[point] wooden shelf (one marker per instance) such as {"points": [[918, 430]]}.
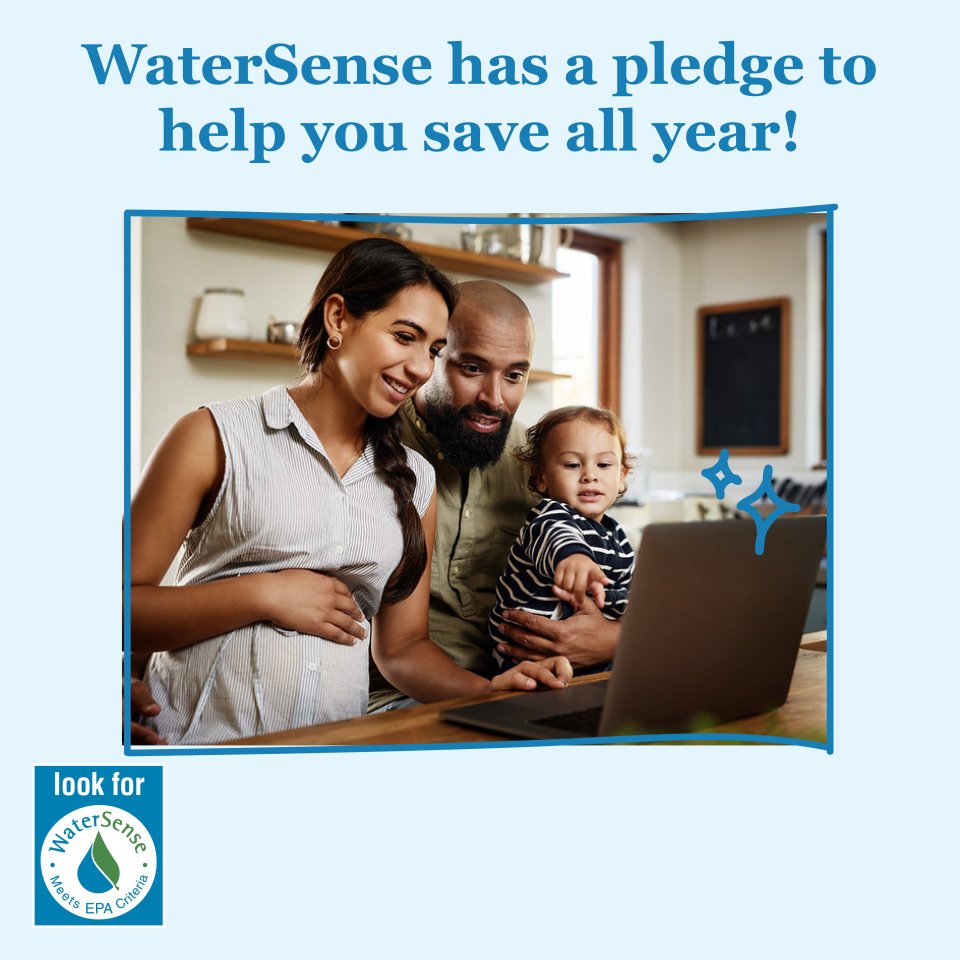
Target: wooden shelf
{"points": [[223, 348], [544, 376], [327, 236], [260, 351]]}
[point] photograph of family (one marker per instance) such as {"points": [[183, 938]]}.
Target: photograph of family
{"points": [[391, 475]]}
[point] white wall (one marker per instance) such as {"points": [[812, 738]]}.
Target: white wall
{"points": [[670, 270], [735, 260]]}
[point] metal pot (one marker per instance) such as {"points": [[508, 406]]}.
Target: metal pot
{"points": [[282, 331]]}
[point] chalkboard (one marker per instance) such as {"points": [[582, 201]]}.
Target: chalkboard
{"points": [[743, 377]]}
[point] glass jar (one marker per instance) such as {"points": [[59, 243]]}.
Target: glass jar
{"points": [[221, 314]]}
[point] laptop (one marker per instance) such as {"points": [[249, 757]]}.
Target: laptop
{"points": [[710, 635]]}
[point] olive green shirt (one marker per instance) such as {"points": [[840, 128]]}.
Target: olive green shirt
{"points": [[478, 518]]}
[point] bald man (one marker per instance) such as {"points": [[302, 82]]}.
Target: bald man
{"points": [[461, 420]]}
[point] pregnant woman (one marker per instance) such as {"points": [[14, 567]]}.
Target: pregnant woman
{"points": [[307, 526]]}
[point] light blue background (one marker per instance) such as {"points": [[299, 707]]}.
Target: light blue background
{"points": [[735, 851]]}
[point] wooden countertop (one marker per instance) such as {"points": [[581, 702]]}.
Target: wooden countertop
{"points": [[802, 717]]}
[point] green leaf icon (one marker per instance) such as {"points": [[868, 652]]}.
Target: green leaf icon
{"points": [[103, 858]]}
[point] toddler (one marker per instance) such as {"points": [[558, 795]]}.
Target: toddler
{"points": [[569, 549]]}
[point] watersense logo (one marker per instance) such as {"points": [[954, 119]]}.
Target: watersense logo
{"points": [[99, 861], [98, 871]]}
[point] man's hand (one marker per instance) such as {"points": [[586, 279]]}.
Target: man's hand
{"points": [[585, 639], [554, 673], [578, 576], [143, 705]]}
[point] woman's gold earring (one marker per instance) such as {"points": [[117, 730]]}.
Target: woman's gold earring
{"points": [[335, 342]]}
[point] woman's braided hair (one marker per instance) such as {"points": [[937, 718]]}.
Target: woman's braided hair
{"points": [[368, 274]]}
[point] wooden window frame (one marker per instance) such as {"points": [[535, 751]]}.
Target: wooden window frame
{"points": [[607, 250]]}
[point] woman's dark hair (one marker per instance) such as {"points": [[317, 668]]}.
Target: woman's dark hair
{"points": [[532, 452], [368, 274]]}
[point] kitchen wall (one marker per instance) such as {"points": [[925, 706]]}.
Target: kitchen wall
{"points": [[669, 270], [177, 265]]}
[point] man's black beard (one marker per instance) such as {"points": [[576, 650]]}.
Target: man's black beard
{"points": [[462, 447]]}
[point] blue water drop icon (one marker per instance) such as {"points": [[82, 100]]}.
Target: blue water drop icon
{"points": [[90, 875]]}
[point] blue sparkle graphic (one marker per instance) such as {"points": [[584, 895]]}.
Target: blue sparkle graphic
{"points": [[720, 474], [780, 507]]}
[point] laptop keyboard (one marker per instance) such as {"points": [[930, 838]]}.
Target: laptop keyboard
{"points": [[585, 722]]}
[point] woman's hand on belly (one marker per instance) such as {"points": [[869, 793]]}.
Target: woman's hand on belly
{"points": [[313, 603]]}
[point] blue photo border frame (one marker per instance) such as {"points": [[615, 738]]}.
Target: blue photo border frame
{"points": [[140, 751]]}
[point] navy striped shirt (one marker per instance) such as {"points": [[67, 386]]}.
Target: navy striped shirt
{"points": [[553, 531]]}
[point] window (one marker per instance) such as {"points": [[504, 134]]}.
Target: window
{"points": [[586, 321]]}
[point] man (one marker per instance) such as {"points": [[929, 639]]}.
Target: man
{"points": [[461, 420]]}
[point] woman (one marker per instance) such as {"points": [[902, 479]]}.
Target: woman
{"points": [[303, 516]]}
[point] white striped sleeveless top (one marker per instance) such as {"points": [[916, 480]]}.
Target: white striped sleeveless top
{"points": [[281, 506]]}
